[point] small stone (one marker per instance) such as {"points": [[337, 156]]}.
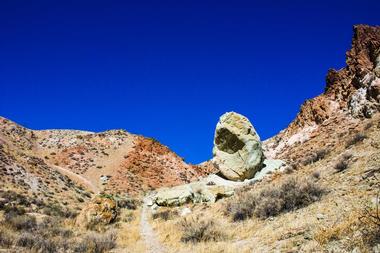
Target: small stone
{"points": [[376, 248], [320, 216], [185, 211]]}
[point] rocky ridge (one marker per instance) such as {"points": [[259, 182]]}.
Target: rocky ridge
{"points": [[352, 92]]}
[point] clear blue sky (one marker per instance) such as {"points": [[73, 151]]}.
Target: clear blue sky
{"points": [[169, 69]]}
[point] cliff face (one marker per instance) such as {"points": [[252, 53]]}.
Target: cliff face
{"points": [[353, 91]]}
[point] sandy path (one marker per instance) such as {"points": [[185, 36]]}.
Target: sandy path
{"points": [[78, 178], [151, 241]]}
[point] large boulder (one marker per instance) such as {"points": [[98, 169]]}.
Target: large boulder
{"points": [[102, 210], [237, 148]]}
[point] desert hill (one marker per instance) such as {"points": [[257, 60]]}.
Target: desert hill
{"points": [[321, 196], [114, 161]]}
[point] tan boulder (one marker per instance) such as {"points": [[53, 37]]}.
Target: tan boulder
{"points": [[237, 148], [102, 210]]}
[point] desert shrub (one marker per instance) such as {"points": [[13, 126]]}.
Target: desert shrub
{"points": [[317, 156], [37, 243], [359, 137], [316, 174], [343, 163], [59, 211], [200, 230], [26, 240], [127, 216], [341, 166], [165, 215], [18, 202], [6, 238], [97, 243], [271, 201], [290, 168], [370, 220], [45, 245], [242, 207], [368, 126], [128, 203], [53, 227], [14, 210], [21, 222]]}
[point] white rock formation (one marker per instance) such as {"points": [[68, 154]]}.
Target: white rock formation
{"points": [[237, 147]]}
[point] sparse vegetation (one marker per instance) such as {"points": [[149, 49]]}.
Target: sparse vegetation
{"points": [[341, 166], [200, 230], [359, 137], [315, 157], [370, 220], [316, 174], [97, 243], [271, 201], [21, 222], [343, 163], [290, 168], [6, 238], [165, 215], [128, 203]]}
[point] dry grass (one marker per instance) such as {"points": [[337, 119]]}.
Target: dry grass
{"points": [[6, 238], [97, 242], [336, 231], [165, 215], [370, 219], [129, 234], [201, 230]]}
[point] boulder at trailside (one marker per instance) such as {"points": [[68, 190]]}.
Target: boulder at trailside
{"points": [[237, 147]]}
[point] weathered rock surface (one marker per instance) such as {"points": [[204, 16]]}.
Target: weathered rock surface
{"points": [[101, 211], [196, 192], [237, 148], [208, 189], [352, 91]]}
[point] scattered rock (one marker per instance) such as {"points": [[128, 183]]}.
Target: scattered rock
{"points": [[270, 165], [237, 147], [320, 216], [185, 211]]}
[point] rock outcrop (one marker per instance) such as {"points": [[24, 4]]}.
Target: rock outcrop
{"points": [[353, 91], [210, 188], [196, 192], [237, 148], [102, 210]]}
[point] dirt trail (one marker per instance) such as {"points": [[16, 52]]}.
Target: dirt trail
{"points": [[151, 241], [78, 178]]}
